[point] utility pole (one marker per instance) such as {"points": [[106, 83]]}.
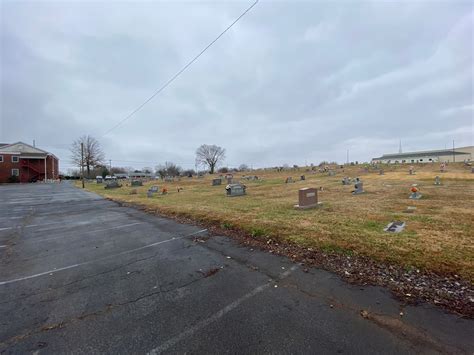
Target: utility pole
{"points": [[110, 166], [82, 164], [347, 157], [454, 155]]}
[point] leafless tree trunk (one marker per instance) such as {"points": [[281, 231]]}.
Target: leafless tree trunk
{"points": [[93, 154], [210, 155]]}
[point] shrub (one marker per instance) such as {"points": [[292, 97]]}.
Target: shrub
{"points": [[13, 179]]}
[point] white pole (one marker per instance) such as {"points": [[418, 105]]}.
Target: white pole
{"points": [[45, 172]]}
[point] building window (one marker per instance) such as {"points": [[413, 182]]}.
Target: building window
{"points": [[1, 158], [15, 172], [15, 159]]}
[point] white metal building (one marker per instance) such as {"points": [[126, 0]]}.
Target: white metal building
{"points": [[463, 154]]}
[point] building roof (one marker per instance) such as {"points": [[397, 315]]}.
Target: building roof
{"points": [[21, 148], [423, 153]]}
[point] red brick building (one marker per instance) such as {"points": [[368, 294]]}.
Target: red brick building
{"points": [[21, 162]]}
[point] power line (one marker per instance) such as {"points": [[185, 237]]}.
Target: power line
{"points": [[180, 71]]}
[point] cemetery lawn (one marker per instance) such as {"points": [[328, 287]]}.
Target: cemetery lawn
{"points": [[439, 235]]}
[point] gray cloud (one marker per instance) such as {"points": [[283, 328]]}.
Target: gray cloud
{"points": [[291, 82]]}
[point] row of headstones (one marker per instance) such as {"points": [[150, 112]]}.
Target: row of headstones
{"points": [[240, 189], [442, 168]]}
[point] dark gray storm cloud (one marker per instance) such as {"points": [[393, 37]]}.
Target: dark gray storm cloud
{"points": [[291, 82]]}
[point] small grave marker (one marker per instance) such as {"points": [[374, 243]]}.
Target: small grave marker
{"points": [[136, 183], [288, 180], [331, 173], [442, 167], [307, 198], [381, 172], [216, 182], [113, 184], [346, 180], [358, 187], [415, 194], [437, 180], [235, 190], [395, 227], [411, 171], [302, 178], [410, 209], [152, 190]]}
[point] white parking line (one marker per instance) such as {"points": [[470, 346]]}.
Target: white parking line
{"points": [[216, 316], [86, 232], [30, 225], [95, 260]]}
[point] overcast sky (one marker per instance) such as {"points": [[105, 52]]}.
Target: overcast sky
{"points": [[290, 82]]}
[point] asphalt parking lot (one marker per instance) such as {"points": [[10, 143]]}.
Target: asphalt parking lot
{"points": [[80, 274]]}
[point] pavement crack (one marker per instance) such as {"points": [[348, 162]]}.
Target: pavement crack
{"points": [[392, 324], [81, 279], [242, 261], [108, 308]]}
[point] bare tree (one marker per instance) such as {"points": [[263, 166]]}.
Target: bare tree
{"points": [[168, 169], [93, 154], [243, 167], [210, 155]]}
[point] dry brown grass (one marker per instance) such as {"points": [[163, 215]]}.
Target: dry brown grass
{"points": [[438, 236]]}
